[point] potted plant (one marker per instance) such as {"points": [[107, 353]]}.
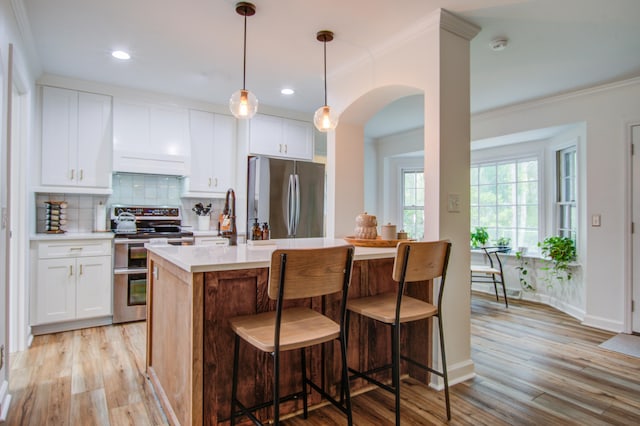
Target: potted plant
{"points": [[503, 242], [479, 237], [560, 251]]}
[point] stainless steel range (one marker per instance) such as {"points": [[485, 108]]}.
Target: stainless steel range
{"points": [[133, 227]]}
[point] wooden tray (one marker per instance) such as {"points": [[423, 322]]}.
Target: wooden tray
{"points": [[378, 242]]}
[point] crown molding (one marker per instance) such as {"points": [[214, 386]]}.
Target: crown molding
{"points": [[525, 105], [24, 27], [458, 26]]}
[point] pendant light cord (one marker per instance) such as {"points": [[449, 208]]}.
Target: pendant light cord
{"points": [[325, 72], [244, 63]]}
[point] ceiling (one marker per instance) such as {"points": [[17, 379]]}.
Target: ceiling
{"points": [[193, 49]]}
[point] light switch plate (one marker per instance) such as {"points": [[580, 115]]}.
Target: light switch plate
{"points": [[595, 220], [453, 206]]}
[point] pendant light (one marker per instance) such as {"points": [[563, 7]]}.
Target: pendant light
{"points": [[243, 104], [325, 119]]}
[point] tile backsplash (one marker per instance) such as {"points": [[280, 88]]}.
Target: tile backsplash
{"points": [[128, 189], [147, 190]]}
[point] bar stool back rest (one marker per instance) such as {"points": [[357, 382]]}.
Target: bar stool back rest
{"points": [[425, 263], [307, 274]]}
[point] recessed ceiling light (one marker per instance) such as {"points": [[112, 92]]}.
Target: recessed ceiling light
{"points": [[120, 54], [287, 91]]}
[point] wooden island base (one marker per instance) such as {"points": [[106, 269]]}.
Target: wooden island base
{"points": [[190, 344]]}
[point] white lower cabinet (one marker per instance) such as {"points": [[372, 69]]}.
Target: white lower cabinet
{"points": [[73, 281]]}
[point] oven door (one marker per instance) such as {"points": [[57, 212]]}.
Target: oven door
{"points": [[129, 295]]}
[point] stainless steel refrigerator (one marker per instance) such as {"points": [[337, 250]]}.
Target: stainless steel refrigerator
{"points": [[288, 194]]}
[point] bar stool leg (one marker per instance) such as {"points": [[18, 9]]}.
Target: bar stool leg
{"points": [[345, 381], [303, 362], [445, 375], [276, 387], [234, 382], [504, 291], [396, 366]]}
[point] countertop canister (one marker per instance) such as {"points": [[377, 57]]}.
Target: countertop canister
{"points": [[388, 232]]}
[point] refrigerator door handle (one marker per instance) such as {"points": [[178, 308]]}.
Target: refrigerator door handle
{"points": [[297, 213], [290, 206]]}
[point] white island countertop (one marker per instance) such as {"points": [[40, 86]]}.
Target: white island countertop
{"points": [[216, 258]]}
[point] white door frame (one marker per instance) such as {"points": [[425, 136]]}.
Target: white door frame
{"points": [[632, 319]]}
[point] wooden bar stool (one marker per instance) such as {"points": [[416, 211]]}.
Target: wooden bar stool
{"points": [[297, 274], [414, 262]]}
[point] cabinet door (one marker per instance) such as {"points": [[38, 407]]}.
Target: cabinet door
{"points": [[93, 287], [201, 126], [223, 154], [94, 140], [265, 135], [298, 139], [55, 290], [212, 152], [59, 136]]}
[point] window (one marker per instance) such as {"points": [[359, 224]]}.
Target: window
{"points": [[566, 193], [504, 199], [413, 203]]}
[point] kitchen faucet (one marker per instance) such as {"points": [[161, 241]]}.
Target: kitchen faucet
{"points": [[227, 222]]}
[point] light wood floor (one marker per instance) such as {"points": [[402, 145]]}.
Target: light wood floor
{"points": [[534, 366]]}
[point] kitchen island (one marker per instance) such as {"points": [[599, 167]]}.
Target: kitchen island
{"points": [[193, 291]]}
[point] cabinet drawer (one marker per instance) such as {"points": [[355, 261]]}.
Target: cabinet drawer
{"points": [[76, 248]]}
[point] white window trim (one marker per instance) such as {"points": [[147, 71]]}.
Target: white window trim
{"points": [[553, 195]]}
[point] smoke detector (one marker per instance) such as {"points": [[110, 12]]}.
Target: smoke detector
{"points": [[499, 43]]}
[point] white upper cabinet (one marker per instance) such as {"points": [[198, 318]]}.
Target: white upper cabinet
{"points": [[76, 140], [280, 137], [149, 138], [212, 154]]}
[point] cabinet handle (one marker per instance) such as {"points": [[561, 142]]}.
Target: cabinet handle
{"points": [[279, 147], [285, 148], [209, 182], [81, 269], [72, 175], [70, 270], [216, 182], [81, 174]]}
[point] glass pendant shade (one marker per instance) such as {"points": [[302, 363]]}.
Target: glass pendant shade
{"points": [[325, 119], [243, 104]]}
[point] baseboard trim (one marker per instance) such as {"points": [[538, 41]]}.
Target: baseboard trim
{"points": [[603, 324], [70, 325], [458, 373]]}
